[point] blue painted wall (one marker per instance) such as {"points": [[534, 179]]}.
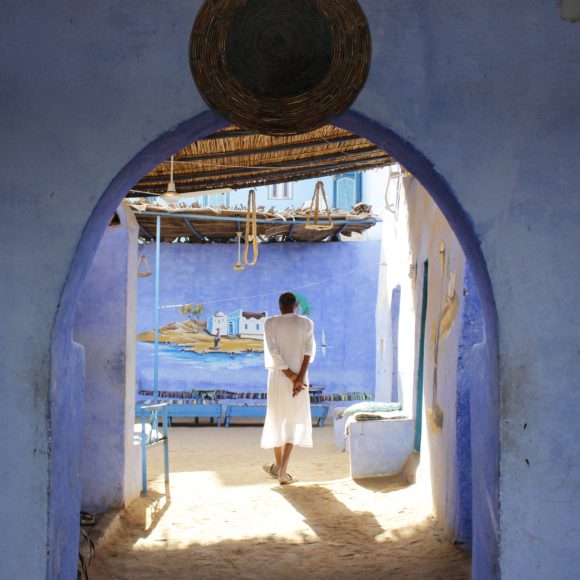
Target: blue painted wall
{"points": [[64, 512], [469, 367], [338, 279], [478, 85], [105, 326]]}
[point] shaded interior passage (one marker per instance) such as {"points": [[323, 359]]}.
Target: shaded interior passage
{"points": [[225, 518]]}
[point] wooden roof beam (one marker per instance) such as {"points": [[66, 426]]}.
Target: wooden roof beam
{"points": [[194, 231], [145, 232]]}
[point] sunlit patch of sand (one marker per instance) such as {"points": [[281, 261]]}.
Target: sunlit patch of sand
{"points": [[226, 518]]}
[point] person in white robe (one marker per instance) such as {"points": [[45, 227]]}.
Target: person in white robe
{"points": [[289, 348]]}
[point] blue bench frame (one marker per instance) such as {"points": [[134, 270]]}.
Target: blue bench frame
{"points": [[253, 411], [196, 410], [214, 411], [211, 410], [150, 416], [319, 412]]}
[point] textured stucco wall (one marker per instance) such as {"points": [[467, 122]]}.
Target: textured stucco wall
{"points": [[66, 447], [339, 280], [105, 326], [471, 367], [487, 91]]}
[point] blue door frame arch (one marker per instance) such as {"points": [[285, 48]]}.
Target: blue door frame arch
{"points": [[485, 432]]}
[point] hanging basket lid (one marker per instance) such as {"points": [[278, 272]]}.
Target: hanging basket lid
{"points": [[280, 66]]}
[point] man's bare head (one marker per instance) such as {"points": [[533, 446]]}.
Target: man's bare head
{"points": [[287, 302]]}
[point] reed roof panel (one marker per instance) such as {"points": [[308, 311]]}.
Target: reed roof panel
{"points": [[235, 158]]}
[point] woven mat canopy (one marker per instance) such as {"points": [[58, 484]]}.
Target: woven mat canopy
{"points": [[280, 66], [235, 158]]}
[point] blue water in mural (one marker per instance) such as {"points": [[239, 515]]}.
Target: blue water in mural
{"points": [[177, 358]]}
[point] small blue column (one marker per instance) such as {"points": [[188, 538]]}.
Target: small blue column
{"points": [[156, 353]]}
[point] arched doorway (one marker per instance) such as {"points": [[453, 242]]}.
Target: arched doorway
{"points": [[485, 430]]}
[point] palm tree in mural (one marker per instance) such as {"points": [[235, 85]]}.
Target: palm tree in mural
{"points": [[188, 310], [197, 311], [303, 304]]}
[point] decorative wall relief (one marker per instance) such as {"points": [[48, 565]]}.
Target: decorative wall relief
{"points": [[447, 311]]}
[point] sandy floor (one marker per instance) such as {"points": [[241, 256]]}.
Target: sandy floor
{"points": [[226, 519]]}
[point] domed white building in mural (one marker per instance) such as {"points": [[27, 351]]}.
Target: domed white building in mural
{"points": [[238, 323]]}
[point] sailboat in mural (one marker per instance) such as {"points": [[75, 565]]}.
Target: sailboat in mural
{"points": [[323, 342]]}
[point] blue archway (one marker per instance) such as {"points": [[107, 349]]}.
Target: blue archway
{"points": [[485, 399]]}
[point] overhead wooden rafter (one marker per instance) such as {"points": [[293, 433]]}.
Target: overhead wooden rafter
{"points": [[221, 225], [236, 159]]}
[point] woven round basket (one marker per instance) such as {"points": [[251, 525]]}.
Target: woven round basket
{"points": [[280, 67]]}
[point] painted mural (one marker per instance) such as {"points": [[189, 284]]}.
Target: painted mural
{"points": [[221, 341], [212, 316]]}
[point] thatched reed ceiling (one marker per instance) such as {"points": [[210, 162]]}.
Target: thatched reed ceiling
{"points": [[234, 158]]}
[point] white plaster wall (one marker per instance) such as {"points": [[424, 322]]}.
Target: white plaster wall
{"points": [[413, 232], [396, 257], [132, 463], [487, 90], [384, 338], [438, 443], [374, 183]]}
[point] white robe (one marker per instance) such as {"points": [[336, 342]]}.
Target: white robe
{"points": [[287, 339]]}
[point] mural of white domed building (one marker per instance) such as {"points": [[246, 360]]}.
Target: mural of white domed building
{"points": [[238, 323]]}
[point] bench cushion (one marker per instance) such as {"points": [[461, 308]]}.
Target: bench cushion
{"points": [[371, 407]]}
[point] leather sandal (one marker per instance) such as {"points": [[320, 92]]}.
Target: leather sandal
{"points": [[270, 469]]}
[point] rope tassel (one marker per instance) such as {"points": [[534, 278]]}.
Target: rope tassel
{"points": [[251, 218], [314, 211]]}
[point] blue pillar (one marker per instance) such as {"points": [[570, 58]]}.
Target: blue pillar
{"points": [[156, 354]]}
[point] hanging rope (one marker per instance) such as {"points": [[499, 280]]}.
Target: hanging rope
{"points": [[143, 269], [314, 211], [251, 218]]}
